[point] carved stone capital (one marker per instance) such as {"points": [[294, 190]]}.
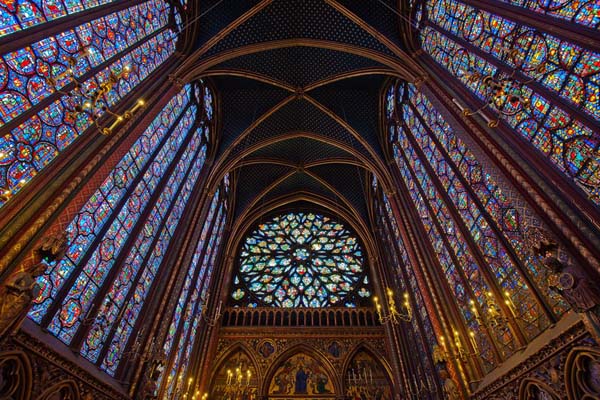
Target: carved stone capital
{"points": [[177, 81], [53, 247]]}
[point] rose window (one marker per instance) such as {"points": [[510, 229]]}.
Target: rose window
{"points": [[301, 260]]}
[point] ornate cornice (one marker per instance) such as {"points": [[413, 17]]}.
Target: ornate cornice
{"points": [[36, 347]]}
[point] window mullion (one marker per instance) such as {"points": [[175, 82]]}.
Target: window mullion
{"points": [[99, 237], [132, 235], [514, 72], [457, 264], [35, 109], [146, 258], [490, 221], [24, 37], [178, 341]]}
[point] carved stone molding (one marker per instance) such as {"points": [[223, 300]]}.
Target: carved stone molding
{"points": [[336, 354], [63, 390], [582, 373], [534, 389], [52, 376], [543, 371], [15, 375]]}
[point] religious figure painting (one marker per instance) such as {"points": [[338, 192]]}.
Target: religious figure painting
{"points": [[266, 348], [301, 375]]}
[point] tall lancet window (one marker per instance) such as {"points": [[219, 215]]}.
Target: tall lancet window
{"points": [[187, 318], [545, 87], [474, 229], [44, 84], [91, 299], [422, 334]]}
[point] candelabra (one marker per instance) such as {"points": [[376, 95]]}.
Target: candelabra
{"points": [[394, 315], [181, 391], [195, 396], [90, 97], [360, 382], [235, 386], [494, 317], [503, 91], [458, 351], [422, 386], [136, 349]]}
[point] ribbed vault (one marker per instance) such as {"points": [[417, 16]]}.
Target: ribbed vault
{"points": [[298, 88]]}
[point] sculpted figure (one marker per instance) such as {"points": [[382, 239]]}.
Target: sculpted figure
{"points": [[438, 355], [573, 284], [20, 289], [154, 371], [16, 297], [53, 247], [450, 388]]}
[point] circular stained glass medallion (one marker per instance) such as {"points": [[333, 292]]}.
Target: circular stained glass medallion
{"points": [[301, 260]]}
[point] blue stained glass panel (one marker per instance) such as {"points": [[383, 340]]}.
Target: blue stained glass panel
{"points": [[87, 224]]}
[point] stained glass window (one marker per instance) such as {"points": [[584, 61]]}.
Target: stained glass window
{"points": [[559, 78], [569, 70], [185, 324], [474, 229], [193, 272], [584, 12], [18, 15], [120, 237], [39, 119], [301, 260], [85, 229], [423, 335], [102, 259]]}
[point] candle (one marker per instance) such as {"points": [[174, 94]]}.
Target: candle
{"points": [[473, 341], [371, 374], [457, 340], [474, 309], [510, 304]]}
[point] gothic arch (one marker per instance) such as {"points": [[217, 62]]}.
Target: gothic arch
{"points": [[531, 388], [581, 373], [190, 72], [296, 350], [247, 219], [16, 378], [375, 355], [375, 165], [238, 347]]}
